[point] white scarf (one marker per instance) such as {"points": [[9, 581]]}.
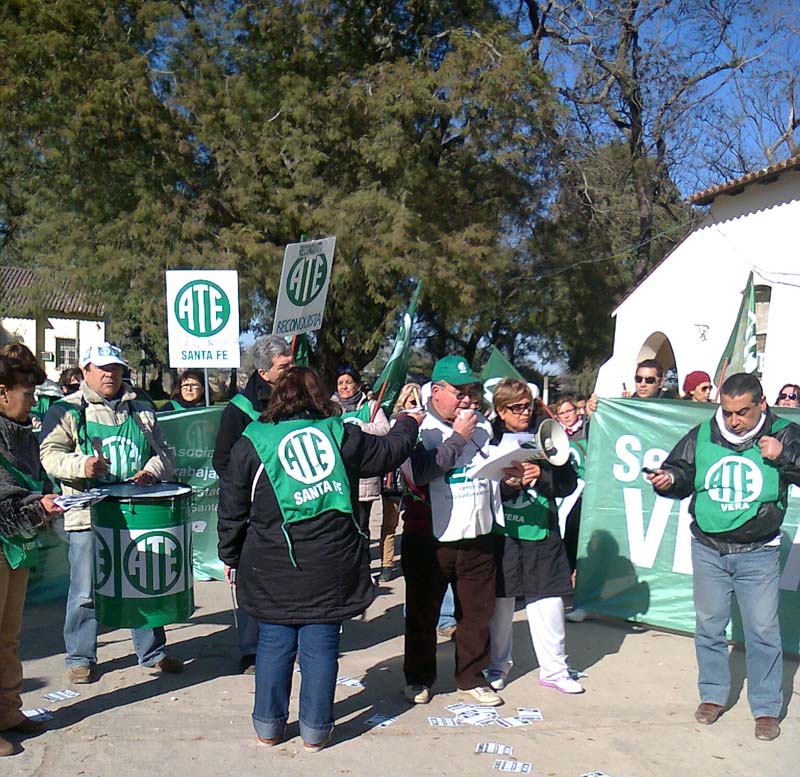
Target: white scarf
{"points": [[732, 437]]}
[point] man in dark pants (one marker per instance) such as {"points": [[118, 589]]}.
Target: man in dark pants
{"points": [[737, 466], [273, 356], [458, 548]]}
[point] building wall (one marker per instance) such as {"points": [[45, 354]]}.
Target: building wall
{"points": [[693, 297], [84, 333]]}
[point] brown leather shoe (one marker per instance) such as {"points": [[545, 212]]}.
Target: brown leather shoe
{"points": [[270, 742], [6, 748], [708, 713], [767, 728], [169, 665]]}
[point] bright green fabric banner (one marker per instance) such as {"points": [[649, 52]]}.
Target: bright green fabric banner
{"points": [[634, 558], [192, 434]]}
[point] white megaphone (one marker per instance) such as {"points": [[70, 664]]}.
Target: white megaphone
{"points": [[549, 443]]}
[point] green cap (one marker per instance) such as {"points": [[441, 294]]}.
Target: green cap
{"points": [[454, 370]]}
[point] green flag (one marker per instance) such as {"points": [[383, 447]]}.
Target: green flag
{"points": [[394, 373], [740, 352], [496, 368], [302, 350]]}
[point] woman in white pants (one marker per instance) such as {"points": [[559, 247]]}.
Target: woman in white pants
{"points": [[531, 560]]}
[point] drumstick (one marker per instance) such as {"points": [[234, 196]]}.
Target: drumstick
{"points": [[97, 447], [233, 598]]}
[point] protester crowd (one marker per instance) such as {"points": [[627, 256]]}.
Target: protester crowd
{"points": [[302, 465]]}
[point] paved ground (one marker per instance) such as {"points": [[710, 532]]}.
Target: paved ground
{"points": [[635, 719]]}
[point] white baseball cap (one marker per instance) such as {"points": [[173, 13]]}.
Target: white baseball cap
{"points": [[102, 354]]}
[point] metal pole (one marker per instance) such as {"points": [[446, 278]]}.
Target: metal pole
{"points": [[205, 377]]}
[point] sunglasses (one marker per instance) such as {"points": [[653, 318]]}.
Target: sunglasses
{"points": [[649, 380], [519, 408], [791, 396]]}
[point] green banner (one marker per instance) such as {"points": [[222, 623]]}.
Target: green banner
{"points": [[192, 434], [634, 557]]}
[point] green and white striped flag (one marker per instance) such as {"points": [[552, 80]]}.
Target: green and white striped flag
{"points": [[740, 354], [394, 373]]}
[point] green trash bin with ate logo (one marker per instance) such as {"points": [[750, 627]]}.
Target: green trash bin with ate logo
{"points": [[143, 555]]}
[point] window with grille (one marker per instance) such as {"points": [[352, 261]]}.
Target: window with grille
{"points": [[66, 352]]}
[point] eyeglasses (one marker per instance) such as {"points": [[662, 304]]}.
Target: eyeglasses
{"points": [[649, 380], [791, 396], [73, 386], [519, 408], [192, 386], [459, 395], [567, 411]]}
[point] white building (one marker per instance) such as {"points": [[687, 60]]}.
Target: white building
{"points": [[56, 326], [684, 311]]}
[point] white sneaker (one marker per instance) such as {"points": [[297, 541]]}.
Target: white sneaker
{"points": [[484, 695], [563, 684], [418, 694], [496, 679]]}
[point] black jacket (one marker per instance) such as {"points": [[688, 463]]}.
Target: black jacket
{"points": [[234, 421], [332, 580], [766, 524]]}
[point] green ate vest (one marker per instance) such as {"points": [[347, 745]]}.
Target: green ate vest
{"points": [[730, 486], [362, 414], [125, 447], [303, 462], [21, 552], [527, 516], [245, 405]]}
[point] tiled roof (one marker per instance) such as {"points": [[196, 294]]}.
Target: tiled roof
{"points": [[15, 298], [737, 185]]}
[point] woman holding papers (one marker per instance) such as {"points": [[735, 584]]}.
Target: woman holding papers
{"points": [[23, 510], [288, 523], [531, 562]]}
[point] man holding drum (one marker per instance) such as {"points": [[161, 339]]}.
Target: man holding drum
{"points": [[100, 434]]}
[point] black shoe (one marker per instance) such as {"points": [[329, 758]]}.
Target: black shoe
{"points": [[247, 664], [386, 575]]}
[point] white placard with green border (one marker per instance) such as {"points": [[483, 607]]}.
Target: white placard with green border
{"points": [[203, 318], [305, 278]]}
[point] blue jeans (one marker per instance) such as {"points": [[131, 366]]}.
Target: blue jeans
{"points": [[447, 612], [80, 624], [247, 631], [318, 647], [753, 576]]}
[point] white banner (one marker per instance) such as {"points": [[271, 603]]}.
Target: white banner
{"points": [[203, 318], [305, 278]]}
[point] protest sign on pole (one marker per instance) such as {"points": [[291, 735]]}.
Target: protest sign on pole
{"points": [[634, 551], [203, 318], [303, 290]]}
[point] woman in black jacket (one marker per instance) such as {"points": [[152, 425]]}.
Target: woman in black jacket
{"points": [[287, 524], [23, 511], [190, 392]]}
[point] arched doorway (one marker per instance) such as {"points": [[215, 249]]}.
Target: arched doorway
{"points": [[658, 347]]}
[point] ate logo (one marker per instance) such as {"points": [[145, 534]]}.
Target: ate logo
{"points": [[202, 308], [102, 561], [122, 455], [307, 455], [306, 279], [152, 563], [524, 498], [734, 480], [456, 475]]}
